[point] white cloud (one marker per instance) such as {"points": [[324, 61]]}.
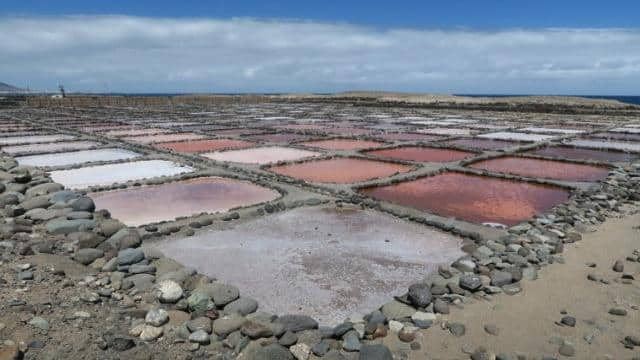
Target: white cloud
{"points": [[120, 53]]}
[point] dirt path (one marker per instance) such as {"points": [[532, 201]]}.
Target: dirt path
{"points": [[527, 322]]}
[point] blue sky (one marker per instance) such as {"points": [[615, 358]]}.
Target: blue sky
{"points": [[524, 47], [480, 14]]}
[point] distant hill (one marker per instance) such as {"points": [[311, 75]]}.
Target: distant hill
{"points": [[9, 89]]}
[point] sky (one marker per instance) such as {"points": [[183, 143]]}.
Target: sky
{"points": [[489, 47]]}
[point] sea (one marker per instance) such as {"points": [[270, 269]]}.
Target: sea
{"points": [[629, 99]]}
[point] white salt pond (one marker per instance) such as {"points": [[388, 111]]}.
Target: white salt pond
{"points": [[49, 147], [325, 262], [599, 144], [509, 135], [76, 157], [445, 131], [12, 140], [261, 155], [629, 129], [102, 175], [544, 130]]}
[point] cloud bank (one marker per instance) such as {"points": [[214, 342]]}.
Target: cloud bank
{"points": [[134, 54]]}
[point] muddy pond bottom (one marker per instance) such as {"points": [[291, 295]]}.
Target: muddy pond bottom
{"points": [[483, 144], [340, 170], [341, 144], [421, 154], [473, 198], [150, 204], [574, 153], [109, 174], [324, 262], [546, 169]]}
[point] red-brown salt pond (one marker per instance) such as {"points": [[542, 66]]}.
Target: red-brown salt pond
{"points": [[408, 137], [473, 198], [198, 146], [156, 203], [282, 138], [546, 169], [483, 144], [618, 136], [421, 154], [341, 144], [574, 153], [340, 170]]}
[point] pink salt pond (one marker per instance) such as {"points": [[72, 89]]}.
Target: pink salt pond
{"points": [[197, 146], [325, 262], [156, 203], [473, 198], [575, 153], [341, 144], [421, 154], [261, 155], [407, 137], [340, 170], [547, 169], [149, 139]]}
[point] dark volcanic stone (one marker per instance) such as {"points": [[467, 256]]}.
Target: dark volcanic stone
{"points": [[375, 352], [297, 323], [470, 282], [420, 295]]}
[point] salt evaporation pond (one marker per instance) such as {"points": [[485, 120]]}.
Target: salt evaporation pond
{"points": [[150, 139], [149, 204], [197, 146], [407, 137], [12, 140], [546, 169], [421, 154], [544, 130], [261, 155], [136, 132], [282, 138], [341, 144], [516, 136], [340, 170], [102, 175], [483, 144], [445, 131], [617, 136], [325, 262], [575, 153], [473, 198], [620, 145], [76, 157], [49, 147]]}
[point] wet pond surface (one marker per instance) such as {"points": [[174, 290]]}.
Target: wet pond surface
{"points": [[575, 153], [421, 154], [340, 170], [341, 144], [483, 144], [12, 140], [324, 262], [49, 147], [149, 139], [76, 157], [261, 155], [473, 198], [546, 169], [197, 146], [149, 204]]}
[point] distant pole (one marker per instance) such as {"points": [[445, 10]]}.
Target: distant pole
{"points": [[61, 87]]}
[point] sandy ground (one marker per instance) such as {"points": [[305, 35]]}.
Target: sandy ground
{"points": [[527, 322]]}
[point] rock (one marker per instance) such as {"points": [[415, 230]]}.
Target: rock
{"points": [[567, 350], [300, 351], [501, 278], [125, 238], [420, 295], [43, 189], [395, 310], [470, 282], [423, 320], [87, 256], [119, 343], [200, 323], [632, 340], [618, 311], [83, 204], [441, 307], [228, 324], [150, 333], [130, 256], [321, 348], [395, 326], [457, 329], [24, 275], [351, 341], [156, 317], [200, 302], [222, 294], [255, 351], [491, 329], [10, 352], [256, 330], [64, 226], [168, 291], [39, 323], [618, 266], [296, 323], [375, 352], [568, 321], [200, 337], [407, 334], [288, 338], [142, 282], [242, 305], [108, 227]]}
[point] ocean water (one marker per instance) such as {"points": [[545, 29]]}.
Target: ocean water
{"points": [[629, 99]]}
